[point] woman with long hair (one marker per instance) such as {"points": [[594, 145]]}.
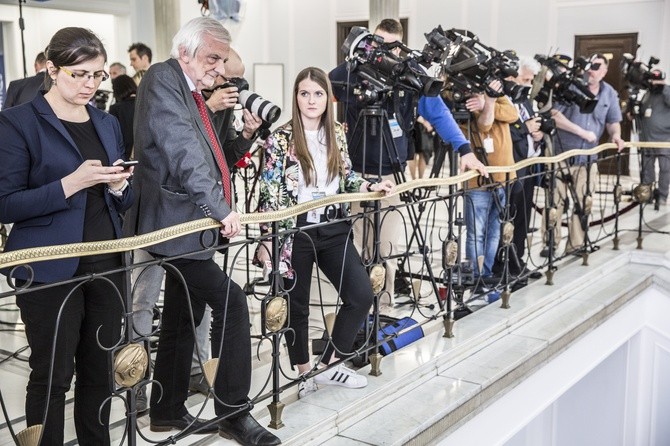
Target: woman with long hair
{"points": [[307, 159]]}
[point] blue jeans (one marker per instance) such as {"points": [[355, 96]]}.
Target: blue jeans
{"points": [[482, 221]]}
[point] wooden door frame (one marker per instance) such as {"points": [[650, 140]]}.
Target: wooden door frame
{"points": [[616, 45]]}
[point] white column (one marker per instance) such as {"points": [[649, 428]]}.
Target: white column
{"points": [[383, 9], [167, 16], [142, 27]]}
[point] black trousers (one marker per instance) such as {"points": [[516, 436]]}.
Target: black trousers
{"points": [[231, 341], [93, 311], [333, 248], [522, 201]]}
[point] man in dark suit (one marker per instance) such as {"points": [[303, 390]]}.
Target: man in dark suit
{"points": [[185, 176], [527, 141], [24, 90]]}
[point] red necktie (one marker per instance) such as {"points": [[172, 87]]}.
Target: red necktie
{"points": [[218, 154]]}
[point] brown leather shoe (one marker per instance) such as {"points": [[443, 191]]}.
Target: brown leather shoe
{"points": [[246, 431]]}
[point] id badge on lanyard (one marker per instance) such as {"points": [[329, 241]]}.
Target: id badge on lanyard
{"points": [[396, 131], [314, 216]]}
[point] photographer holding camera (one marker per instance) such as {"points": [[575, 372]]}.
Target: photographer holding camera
{"points": [[372, 163], [221, 100], [578, 130], [655, 126], [493, 114]]}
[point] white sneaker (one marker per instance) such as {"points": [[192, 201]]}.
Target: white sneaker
{"points": [[307, 387], [341, 376]]}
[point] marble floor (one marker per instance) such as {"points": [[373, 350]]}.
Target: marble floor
{"points": [[343, 406]]}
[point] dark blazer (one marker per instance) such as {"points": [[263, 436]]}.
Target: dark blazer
{"points": [[519, 133], [21, 91], [37, 152], [177, 178]]}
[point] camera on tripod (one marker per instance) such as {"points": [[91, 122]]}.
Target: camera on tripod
{"points": [[474, 65], [265, 109], [382, 71], [639, 77], [638, 74], [558, 81]]}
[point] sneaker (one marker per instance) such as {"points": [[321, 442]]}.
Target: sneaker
{"points": [[307, 387], [341, 376]]}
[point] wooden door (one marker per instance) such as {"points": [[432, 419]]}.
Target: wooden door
{"points": [[612, 46]]}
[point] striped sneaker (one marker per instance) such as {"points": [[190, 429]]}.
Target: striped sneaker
{"points": [[341, 376], [307, 387]]}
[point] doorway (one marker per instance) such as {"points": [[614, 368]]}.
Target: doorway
{"points": [[612, 46]]}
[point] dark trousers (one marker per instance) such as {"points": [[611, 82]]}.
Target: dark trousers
{"points": [[521, 205], [92, 312], [231, 341], [333, 248], [522, 202]]}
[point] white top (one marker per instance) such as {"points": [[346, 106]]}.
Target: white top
{"points": [[316, 144]]}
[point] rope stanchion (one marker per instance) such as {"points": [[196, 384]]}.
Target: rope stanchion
{"points": [[23, 256]]}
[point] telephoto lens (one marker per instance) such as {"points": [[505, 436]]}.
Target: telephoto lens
{"points": [[265, 109]]}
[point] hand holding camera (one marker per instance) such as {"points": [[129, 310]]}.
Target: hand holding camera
{"points": [[533, 124], [223, 97]]}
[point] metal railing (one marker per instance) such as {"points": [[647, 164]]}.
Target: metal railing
{"points": [[439, 215]]}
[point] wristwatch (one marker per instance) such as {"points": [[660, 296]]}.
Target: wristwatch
{"points": [[118, 193]]}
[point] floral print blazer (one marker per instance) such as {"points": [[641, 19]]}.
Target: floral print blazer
{"points": [[279, 183]]}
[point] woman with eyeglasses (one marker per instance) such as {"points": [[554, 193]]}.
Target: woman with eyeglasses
{"points": [[60, 185]]}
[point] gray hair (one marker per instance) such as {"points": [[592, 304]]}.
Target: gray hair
{"points": [[530, 64], [190, 36]]}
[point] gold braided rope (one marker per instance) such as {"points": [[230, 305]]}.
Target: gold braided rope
{"points": [[22, 256]]}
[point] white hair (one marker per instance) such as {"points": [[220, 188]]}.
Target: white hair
{"points": [[530, 64], [190, 36]]}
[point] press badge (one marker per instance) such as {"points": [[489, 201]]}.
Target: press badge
{"points": [[647, 113], [488, 144], [314, 216], [396, 131]]}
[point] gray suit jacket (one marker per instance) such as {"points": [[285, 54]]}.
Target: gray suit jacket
{"points": [[177, 179]]}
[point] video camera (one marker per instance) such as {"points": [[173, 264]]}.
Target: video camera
{"points": [[382, 71], [638, 74], [474, 65], [265, 109], [560, 82], [639, 77]]}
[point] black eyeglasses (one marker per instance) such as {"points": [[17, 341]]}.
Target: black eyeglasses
{"points": [[83, 76]]}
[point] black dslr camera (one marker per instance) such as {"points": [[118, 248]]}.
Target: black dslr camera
{"points": [[265, 109], [558, 81], [474, 65]]}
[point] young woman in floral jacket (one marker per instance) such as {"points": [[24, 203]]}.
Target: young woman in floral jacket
{"points": [[307, 159]]}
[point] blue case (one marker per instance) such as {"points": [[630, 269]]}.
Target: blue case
{"points": [[403, 339]]}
